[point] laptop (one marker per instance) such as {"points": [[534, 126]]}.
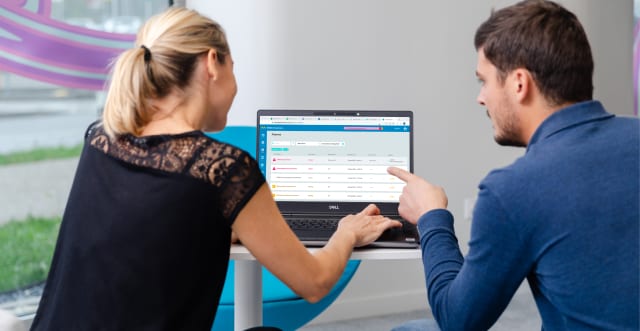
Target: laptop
{"points": [[322, 165]]}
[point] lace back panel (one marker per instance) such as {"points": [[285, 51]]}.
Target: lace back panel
{"points": [[232, 171]]}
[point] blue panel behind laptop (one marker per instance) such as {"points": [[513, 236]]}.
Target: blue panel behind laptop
{"points": [[243, 137]]}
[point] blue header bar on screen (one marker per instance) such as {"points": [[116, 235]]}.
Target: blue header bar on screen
{"points": [[335, 120], [349, 128]]}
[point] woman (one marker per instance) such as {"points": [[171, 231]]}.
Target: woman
{"points": [[145, 238]]}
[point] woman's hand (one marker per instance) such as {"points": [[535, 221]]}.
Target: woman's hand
{"points": [[310, 274], [367, 225]]}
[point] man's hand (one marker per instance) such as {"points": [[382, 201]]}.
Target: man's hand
{"points": [[418, 196]]}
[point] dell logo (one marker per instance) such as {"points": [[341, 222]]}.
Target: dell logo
{"points": [[334, 207]]}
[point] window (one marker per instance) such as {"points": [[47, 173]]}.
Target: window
{"points": [[53, 64]]}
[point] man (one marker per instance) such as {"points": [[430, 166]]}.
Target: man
{"points": [[565, 215]]}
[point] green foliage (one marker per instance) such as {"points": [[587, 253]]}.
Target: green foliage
{"points": [[39, 154], [27, 248]]}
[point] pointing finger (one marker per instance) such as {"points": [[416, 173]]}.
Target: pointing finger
{"points": [[400, 173]]}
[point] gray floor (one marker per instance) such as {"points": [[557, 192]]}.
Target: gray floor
{"points": [[520, 315], [373, 323]]}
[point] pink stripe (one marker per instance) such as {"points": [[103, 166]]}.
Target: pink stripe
{"points": [[362, 128], [57, 79], [52, 48], [45, 8], [18, 3], [28, 31], [27, 54], [67, 27]]}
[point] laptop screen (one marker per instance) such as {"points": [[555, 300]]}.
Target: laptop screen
{"points": [[334, 156]]}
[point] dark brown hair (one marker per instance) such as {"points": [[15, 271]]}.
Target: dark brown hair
{"points": [[547, 40]]}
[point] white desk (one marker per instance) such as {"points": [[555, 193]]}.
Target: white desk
{"points": [[248, 279]]}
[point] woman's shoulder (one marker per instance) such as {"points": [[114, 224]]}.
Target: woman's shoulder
{"points": [[220, 160], [225, 149]]}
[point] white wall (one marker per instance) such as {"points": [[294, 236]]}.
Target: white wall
{"points": [[403, 54]]}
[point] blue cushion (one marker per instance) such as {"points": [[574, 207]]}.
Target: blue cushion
{"points": [[281, 307]]}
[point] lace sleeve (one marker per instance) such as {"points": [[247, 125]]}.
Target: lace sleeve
{"points": [[234, 173], [90, 130]]}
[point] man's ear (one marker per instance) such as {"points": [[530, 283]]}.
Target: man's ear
{"points": [[212, 64], [522, 84]]}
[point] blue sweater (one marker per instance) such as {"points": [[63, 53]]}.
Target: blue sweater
{"points": [[564, 216]]}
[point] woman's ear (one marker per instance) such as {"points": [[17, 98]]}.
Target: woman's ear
{"points": [[212, 64]]}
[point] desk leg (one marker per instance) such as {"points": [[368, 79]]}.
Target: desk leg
{"points": [[247, 295]]}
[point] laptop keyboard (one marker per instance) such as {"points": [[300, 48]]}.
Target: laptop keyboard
{"points": [[319, 227], [316, 232], [306, 224]]}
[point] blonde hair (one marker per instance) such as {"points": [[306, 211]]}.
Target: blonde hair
{"points": [[162, 60]]}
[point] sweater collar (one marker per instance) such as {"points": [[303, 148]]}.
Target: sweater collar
{"points": [[573, 115]]}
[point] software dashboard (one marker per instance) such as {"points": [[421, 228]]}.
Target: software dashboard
{"points": [[334, 158]]}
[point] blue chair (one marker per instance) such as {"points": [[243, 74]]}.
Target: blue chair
{"points": [[280, 306]]}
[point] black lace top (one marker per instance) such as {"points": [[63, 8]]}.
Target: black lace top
{"points": [[145, 237]]}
